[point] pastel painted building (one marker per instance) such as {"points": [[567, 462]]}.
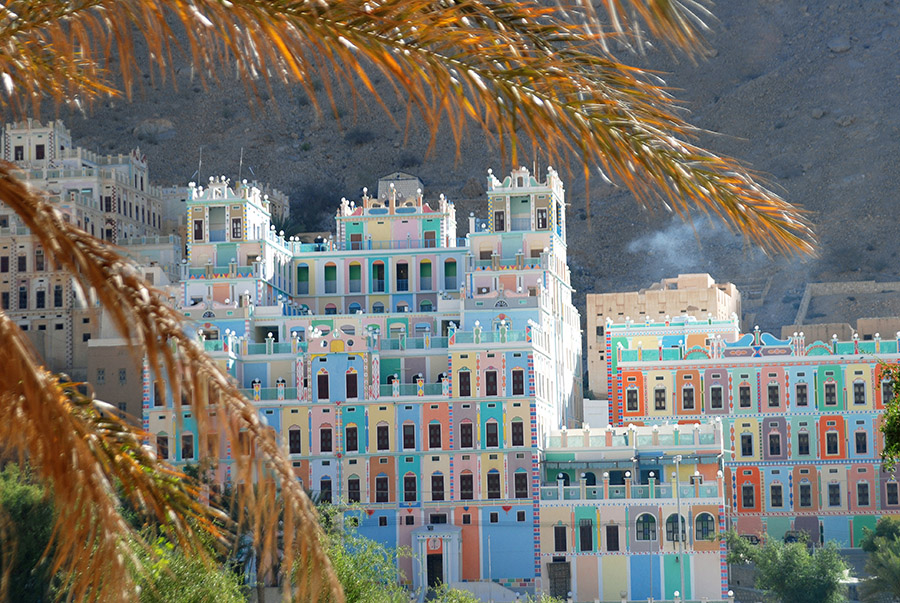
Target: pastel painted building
{"points": [[610, 511], [408, 370], [801, 418]]}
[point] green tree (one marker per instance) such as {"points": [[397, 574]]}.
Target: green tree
{"points": [[887, 528], [790, 571], [26, 523], [525, 71], [890, 420], [883, 567], [166, 574]]}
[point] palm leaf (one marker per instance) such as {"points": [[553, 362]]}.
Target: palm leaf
{"points": [[520, 70], [87, 451]]}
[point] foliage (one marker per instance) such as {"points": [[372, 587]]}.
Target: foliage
{"points": [[519, 70], [795, 575], [883, 567], [26, 525], [887, 528], [739, 549], [168, 574], [890, 421]]}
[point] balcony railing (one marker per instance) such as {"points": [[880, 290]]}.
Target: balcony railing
{"points": [[378, 285], [402, 284], [620, 492]]}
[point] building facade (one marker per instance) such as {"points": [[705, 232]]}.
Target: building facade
{"points": [[696, 295], [801, 417], [407, 370]]}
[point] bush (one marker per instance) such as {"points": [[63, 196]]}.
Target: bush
{"points": [[359, 136]]}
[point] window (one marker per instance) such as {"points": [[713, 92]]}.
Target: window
{"points": [[466, 487], [892, 493], [322, 386], [402, 276], [773, 396], [236, 230], [187, 446], [862, 494], [23, 298], [859, 392], [687, 398], [776, 498], [521, 484], [39, 299], [465, 435], [830, 394], [437, 487], [352, 439], [325, 489], [198, 230], [887, 388], [434, 436], [802, 395], [518, 382], [437, 518], [744, 396], [834, 495], [465, 384], [612, 538], [123, 376], [381, 489], [746, 444], [352, 385], [518, 433], [57, 296], [382, 438], [704, 527], [353, 494], [748, 496], [586, 535], [831, 442], [162, 447], [294, 441], [671, 529], [631, 400], [409, 437], [774, 444], [101, 376], [520, 516], [646, 527], [659, 398], [466, 519], [862, 445], [325, 439], [18, 153], [4, 300], [559, 539], [806, 494], [382, 521], [409, 488], [493, 484], [490, 383], [491, 439], [39, 151], [38, 260], [499, 221], [542, 219], [803, 443]]}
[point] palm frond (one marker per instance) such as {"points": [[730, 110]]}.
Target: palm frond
{"points": [[87, 451], [520, 70]]}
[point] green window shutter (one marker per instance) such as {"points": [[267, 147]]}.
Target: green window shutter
{"points": [[303, 274], [450, 269], [330, 273], [425, 269], [355, 272]]}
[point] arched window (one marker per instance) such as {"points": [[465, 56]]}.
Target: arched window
{"points": [[302, 279], [354, 282], [330, 278], [590, 479], [705, 527], [354, 308], [402, 307], [378, 277], [425, 306], [566, 480], [353, 491], [325, 490], [322, 385], [425, 275], [381, 488], [646, 527], [294, 440], [162, 446], [450, 282], [671, 529], [378, 308], [409, 487], [466, 485], [493, 483], [330, 309]]}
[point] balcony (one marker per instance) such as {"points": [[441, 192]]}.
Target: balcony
{"points": [[619, 492], [378, 285], [330, 287], [402, 284], [216, 235]]}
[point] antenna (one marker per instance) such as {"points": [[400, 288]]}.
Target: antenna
{"points": [[241, 165], [200, 164], [251, 171]]}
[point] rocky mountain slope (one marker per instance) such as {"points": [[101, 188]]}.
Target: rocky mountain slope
{"points": [[806, 93]]}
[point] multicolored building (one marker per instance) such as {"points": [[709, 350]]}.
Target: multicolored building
{"points": [[801, 418], [408, 370]]}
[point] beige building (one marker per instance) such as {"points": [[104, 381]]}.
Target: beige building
{"points": [[696, 295], [866, 329]]}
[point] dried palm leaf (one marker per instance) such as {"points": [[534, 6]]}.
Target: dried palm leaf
{"points": [[80, 452], [520, 70]]}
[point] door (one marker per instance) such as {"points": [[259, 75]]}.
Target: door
{"points": [[435, 568], [558, 575], [356, 241]]}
